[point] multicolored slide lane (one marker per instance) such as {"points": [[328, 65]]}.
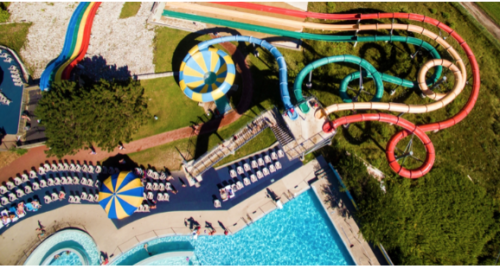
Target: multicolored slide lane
{"points": [[75, 45]]}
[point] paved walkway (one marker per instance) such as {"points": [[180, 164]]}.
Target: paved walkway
{"points": [[36, 156]]}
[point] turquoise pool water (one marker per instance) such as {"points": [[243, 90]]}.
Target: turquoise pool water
{"points": [[299, 234], [67, 259]]}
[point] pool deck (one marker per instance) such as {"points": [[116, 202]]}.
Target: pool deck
{"points": [[19, 240]]}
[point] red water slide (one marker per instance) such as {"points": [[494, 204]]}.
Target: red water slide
{"points": [[409, 127], [85, 42]]}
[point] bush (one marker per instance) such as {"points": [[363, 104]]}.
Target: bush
{"points": [[330, 7], [4, 15], [433, 10], [445, 15], [404, 10], [19, 151]]}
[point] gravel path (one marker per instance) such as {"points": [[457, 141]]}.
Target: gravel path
{"points": [[124, 44], [483, 18]]}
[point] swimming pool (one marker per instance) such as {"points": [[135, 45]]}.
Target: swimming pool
{"points": [[67, 259], [299, 234]]}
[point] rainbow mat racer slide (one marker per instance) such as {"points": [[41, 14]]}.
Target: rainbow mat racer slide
{"points": [[75, 45], [458, 67]]}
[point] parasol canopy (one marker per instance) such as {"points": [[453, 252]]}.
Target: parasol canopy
{"points": [[121, 194]]}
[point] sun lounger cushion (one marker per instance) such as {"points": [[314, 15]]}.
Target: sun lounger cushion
{"points": [[246, 181]]}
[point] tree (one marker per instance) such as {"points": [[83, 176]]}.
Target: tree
{"points": [[79, 116], [442, 218]]}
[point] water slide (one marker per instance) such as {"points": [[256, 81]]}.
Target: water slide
{"points": [[80, 53], [409, 128], [75, 41]]}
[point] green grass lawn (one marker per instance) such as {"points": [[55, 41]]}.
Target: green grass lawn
{"points": [[130, 9], [173, 108], [14, 35], [492, 9]]}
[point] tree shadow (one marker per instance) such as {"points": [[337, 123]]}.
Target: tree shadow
{"points": [[96, 68]]}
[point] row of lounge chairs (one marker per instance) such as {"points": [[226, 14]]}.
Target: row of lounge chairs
{"points": [[155, 186], [155, 175], [16, 76], [4, 100], [71, 167], [265, 171]]}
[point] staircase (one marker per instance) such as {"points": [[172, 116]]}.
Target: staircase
{"points": [[280, 130]]}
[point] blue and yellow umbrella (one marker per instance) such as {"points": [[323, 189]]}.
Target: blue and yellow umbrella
{"points": [[206, 75], [121, 194]]}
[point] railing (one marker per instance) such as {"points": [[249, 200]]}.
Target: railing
{"points": [[243, 135], [308, 145]]}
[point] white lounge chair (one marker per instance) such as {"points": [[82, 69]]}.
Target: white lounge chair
{"points": [[36, 186], [156, 186], [84, 196], [85, 168], [90, 198], [150, 195], [149, 173], [4, 55], [168, 186], [246, 181], [19, 193], [54, 167], [259, 174], [272, 169], [18, 181], [41, 170], [260, 161], [55, 196], [240, 171], [60, 166], [161, 187], [57, 181], [18, 84], [96, 197], [234, 189], [12, 197], [83, 181], [146, 208], [91, 169], [3, 189], [217, 203], [98, 169], [163, 176], [64, 181], [254, 164], [25, 178], [239, 185], [246, 167], [76, 181], [78, 167], [71, 199], [140, 209], [159, 196], [47, 167], [12, 67], [50, 182], [8, 60], [27, 189], [278, 165], [232, 173], [10, 185], [166, 197], [266, 171], [281, 154], [274, 156], [96, 184], [5, 200], [43, 183], [47, 199], [90, 182], [77, 200], [156, 176], [72, 167], [149, 186], [267, 159], [66, 166]]}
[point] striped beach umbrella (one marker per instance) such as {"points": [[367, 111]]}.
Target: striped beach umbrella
{"points": [[121, 194]]}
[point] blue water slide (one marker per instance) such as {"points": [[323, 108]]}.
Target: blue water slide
{"points": [[283, 75], [54, 64]]}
